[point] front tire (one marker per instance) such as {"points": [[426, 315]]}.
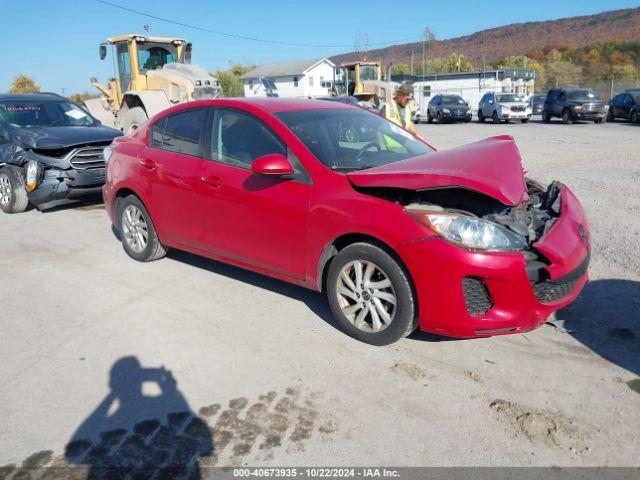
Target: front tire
{"points": [[524, 120], [370, 295], [634, 117], [480, 116], [546, 118], [13, 192], [137, 233], [566, 116], [429, 118], [133, 119], [495, 118]]}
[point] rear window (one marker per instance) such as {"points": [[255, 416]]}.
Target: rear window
{"points": [[179, 133]]}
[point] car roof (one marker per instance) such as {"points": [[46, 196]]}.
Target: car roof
{"points": [[273, 105], [25, 97]]}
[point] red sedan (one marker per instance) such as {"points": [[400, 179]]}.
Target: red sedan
{"points": [[339, 200]]}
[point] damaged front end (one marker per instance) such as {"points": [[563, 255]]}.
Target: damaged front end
{"points": [[55, 174]]}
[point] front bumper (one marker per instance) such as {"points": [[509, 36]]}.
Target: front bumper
{"points": [[457, 117], [588, 115], [516, 115], [443, 275], [60, 187]]}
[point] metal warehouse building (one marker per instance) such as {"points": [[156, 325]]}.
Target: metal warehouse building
{"points": [[470, 85]]}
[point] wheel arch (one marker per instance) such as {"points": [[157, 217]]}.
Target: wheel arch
{"points": [[151, 101], [343, 241]]}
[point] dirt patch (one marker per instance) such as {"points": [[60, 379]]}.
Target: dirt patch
{"points": [[550, 428], [410, 370], [176, 446], [473, 376]]}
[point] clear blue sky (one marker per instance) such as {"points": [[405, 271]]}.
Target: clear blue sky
{"points": [[56, 41]]}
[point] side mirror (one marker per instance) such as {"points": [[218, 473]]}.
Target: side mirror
{"points": [[102, 51], [272, 164]]}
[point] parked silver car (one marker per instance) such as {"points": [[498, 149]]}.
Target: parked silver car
{"points": [[503, 106]]}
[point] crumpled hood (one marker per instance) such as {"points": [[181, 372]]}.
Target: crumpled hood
{"points": [[491, 166], [57, 137]]}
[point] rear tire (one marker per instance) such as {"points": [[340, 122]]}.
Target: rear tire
{"points": [[599, 120], [361, 305], [133, 119], [524, 120], [137, 233], [13, 192], [634, 117]]}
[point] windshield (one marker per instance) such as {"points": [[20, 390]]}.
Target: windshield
{"points": [[152, 56], [582, 94], [368, 72], [350, 139], [507, 97], [44, 114], [452, 99]]}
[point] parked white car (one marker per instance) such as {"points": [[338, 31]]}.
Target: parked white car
{"points": [[503, 106]]}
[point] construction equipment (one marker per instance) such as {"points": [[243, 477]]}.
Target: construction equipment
{"points": [[151, 74], [363, 80]]}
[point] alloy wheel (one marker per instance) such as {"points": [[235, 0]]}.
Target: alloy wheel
{"points": [[135, 228], [5, 190], [366, 296]]}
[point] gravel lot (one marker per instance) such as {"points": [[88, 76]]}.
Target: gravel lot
{"points": [[265, 377]]}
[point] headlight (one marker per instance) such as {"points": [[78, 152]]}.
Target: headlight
{"points": [[577, 108], [106, 153], [470, 232], [446, 110], [34, 174]]}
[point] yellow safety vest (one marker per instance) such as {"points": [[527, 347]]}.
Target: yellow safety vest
{"points": [[393, 113]]}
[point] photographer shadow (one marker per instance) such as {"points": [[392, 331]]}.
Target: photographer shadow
{"points": [[131, 434]]}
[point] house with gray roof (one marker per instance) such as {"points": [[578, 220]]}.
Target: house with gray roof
{"points": [[296, 79]]}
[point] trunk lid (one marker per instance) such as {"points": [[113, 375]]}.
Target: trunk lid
{"points": [[491, 166]]}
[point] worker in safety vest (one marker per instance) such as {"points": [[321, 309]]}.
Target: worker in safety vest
{"points": [[398, 110]]}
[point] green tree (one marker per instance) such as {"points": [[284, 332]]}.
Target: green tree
{"points": [[400, 69], [457, 63], [521, 62], [562, 73], [24, 84], [231, 80]]}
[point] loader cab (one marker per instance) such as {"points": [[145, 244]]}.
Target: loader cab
{"points": [[136, 55], [348, 77]]}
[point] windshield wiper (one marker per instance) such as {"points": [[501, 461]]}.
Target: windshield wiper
{"points": [[363, 167]]}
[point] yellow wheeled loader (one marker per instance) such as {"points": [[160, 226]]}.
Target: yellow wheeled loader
{"points": [[152, 74], [363, 80]]}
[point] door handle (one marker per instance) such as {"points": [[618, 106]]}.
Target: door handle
{"points": [[212, 181], [148, 164]]}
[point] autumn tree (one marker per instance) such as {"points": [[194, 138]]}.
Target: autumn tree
{"points": [[458, 63], [24, 84], [562, 73]]}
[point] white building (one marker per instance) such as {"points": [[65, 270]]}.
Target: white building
{"points": [[471, 86], [297, 79]]}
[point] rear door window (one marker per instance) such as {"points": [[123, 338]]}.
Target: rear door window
{"points": [[182, 132]]}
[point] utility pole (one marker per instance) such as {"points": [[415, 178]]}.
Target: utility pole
{"points": [[411, 61]]}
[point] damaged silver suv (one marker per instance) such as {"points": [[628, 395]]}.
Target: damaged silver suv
{"points": [[51, 152]]}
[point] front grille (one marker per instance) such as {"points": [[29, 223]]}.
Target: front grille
{"points": [[88, 158], [550, 291], [476, 296], [459, 112], [592, 107], [518, 109]]}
